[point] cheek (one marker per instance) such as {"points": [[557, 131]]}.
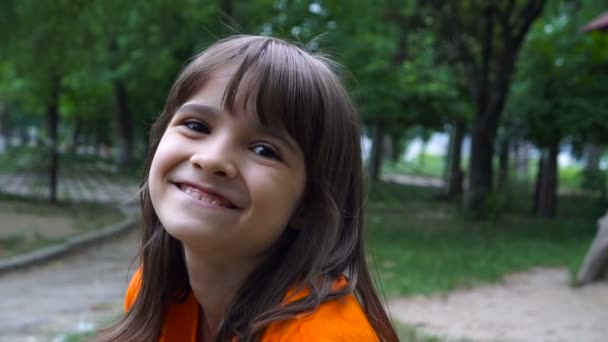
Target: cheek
{"points": [[162, 159], [159, 167], [154, 172], [281, 199], [154, 184]]}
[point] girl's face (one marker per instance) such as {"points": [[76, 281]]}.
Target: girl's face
{"points": [[221, 182]]}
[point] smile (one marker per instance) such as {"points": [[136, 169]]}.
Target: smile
{"points": [[210, 199]]}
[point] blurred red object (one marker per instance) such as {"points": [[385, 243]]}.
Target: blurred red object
{"points": [[598, 24]]}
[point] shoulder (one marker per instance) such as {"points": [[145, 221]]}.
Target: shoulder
{"points": [[133, 289], [335, 320]]}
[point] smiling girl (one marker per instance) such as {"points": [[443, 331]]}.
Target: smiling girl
{"points": [[252, 208]]}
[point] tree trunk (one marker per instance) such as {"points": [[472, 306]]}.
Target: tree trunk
{"points": [[377, 150], [537, 183], [124, 126], [545, 198], [481, 170], [593, 155], [24, 135], [76, 134], [488, 60], [4, 112], [522, 161], [503, 162], [52, 126], [454, 174], [122, 116], [395, 151], [593, 176]]}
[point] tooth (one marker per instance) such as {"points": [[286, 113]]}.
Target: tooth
{"points": [[201, 196]]}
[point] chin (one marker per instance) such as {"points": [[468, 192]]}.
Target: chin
{"points": [[189, 232]]}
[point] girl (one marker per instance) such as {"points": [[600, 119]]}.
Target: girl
{"points": [[252, 206]]}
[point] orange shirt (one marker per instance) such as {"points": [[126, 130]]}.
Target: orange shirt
{"points": [[334, 320]]}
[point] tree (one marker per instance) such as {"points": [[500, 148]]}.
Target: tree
{"points": [[138, 50], [44, 27], [559, 93], [400, 80], [484, 38]]}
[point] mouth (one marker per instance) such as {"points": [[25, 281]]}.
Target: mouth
{"points": [[208, 198]]}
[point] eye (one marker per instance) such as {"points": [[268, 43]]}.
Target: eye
{"points": [[197, 126], [266, 152]]}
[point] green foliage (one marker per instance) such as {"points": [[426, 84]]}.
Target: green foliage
{"points": [[403, 69], [570, 176], [560, 87]]}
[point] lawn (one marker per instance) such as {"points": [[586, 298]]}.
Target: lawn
{"points": [[29, 224], [422, 246]]}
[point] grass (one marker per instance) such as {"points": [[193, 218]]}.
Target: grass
{"points": [[408, 333], [429, 165], [422, 246], [20, 244], [85, 217], [77, 337]]}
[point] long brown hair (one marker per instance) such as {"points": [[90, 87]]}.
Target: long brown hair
{"points": [[296, 91]]}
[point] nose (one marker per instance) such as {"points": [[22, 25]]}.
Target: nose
{"points": [[214, 158]]}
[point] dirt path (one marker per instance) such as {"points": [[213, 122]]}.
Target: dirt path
{"points": [[66, 296], [535, 306], [43, 303]]}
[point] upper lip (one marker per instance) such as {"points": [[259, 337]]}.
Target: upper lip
{"points": [[208, 190]]}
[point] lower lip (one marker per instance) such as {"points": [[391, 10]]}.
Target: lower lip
{"points": [[202, 203]]}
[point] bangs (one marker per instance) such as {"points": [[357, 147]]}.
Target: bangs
{"points": [[276, 82], [285, 87]]}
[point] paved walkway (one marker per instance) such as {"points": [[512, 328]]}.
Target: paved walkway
{"points": [[72, 294], [86, 186]]}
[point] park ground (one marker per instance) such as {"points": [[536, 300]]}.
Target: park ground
{"points": [[446, 277]]}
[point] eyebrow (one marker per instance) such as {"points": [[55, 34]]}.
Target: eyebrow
{"points": [[199, 108], [204, 109]]}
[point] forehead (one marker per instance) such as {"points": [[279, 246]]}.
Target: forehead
{"points": [[211, 96], [281, 87], [210, 101]]}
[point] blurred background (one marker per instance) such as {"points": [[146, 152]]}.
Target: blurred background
{"points": [[485, 131]]}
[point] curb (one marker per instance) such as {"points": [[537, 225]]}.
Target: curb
{"points": [[70, 245]]}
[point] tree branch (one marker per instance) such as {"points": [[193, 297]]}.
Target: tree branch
{"points": [[451, 28], [526, 16], [487, 52], [504, 15]]}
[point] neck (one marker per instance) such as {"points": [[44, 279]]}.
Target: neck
{"points": [[214, 281]]}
